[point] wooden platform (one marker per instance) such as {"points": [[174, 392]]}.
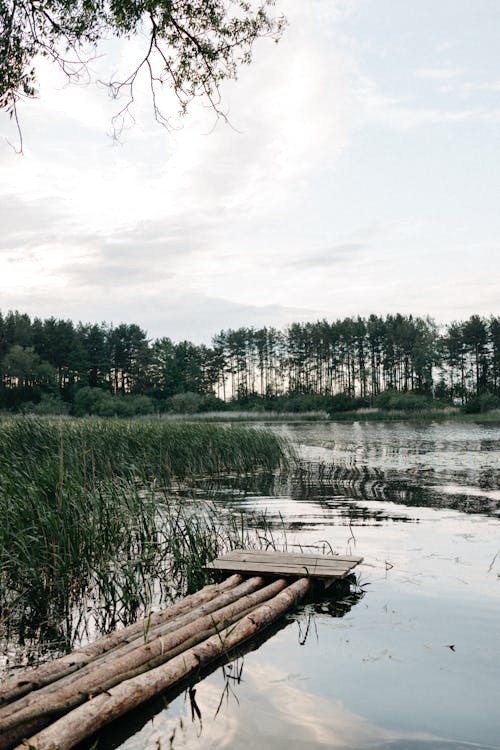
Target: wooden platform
{"points": [[285, 564], [63, 702]]}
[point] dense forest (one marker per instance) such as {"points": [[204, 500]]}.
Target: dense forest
{"points": [[56, 366]]}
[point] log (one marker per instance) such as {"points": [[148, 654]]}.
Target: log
{"points": [[222, 599], [42, 716], [20, 717], [96, 713], [9, 737], [106, 675], [33, 679]]}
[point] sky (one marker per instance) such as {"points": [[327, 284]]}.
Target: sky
{"points": [[359, 173]]}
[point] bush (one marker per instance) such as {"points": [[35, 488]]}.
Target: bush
{"points": [[88, 400], [185, 403], [394, 400], [297, 403], [49, 404], [342, 402], [252, 402], [210, 402], [302, 402], [96, 401], [480, 404], [124, 406]]}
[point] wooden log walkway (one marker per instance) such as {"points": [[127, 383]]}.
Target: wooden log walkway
{"points": [[58, 705]]}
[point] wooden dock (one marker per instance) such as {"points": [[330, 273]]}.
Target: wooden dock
{"points": [[286, 564], [59, 704]]}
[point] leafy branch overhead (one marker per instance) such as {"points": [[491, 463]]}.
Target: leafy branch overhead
{"points": [[190, 45]]}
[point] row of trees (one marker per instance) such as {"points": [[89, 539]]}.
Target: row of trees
{"points": [[358, 358]]}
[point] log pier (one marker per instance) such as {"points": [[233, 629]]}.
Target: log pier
{"points": [[58, 705]]}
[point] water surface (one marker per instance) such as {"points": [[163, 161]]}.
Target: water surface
{"points": [[412, 661]]}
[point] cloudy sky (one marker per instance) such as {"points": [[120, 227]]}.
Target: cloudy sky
{"points": [[360, 173]]}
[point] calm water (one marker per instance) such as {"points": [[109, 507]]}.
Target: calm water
{"points": [[413, 660]]}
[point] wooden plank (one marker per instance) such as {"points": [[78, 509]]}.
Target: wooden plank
{"points": [[288, 564], [293, 564], [301, 555], [295, 557], [280, 569], [273, 570]]}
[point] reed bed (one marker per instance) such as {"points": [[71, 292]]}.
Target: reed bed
{"points": [[150, 449], [91, 522]]}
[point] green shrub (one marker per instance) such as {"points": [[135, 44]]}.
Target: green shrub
{"points": [[342, 402], [50, 404], [481, 404], [185, 403], [391, 400], [210, 402], [96, 401]]}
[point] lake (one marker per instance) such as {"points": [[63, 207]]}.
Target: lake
{"points": [[410, 660]]}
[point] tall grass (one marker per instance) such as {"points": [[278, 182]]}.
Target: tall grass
{"points": [[148, 449], [90, 521]]}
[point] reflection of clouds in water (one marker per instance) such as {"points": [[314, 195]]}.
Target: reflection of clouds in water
{"points": [[440, 589], [456, 489], [437, 446], [270, 711]]}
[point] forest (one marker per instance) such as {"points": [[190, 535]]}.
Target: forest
{"points": [[55, 366]]}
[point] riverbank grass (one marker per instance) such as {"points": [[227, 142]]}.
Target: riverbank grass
{"points": [[90, 518]]}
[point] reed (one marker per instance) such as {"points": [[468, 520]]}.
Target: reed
{"points": [[151, 449], [91, 523]]}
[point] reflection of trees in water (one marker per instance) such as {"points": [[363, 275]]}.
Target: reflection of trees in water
{"points": [[330, 486], [336, 602], [230, 487], [417, 488]]}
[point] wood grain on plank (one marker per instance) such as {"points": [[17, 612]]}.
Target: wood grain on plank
{"points": [[280, 568]]}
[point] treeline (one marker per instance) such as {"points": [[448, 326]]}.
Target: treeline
{"points": [[57, 366]]}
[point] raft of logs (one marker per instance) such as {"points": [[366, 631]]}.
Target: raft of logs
{"points": [[58, 705]]}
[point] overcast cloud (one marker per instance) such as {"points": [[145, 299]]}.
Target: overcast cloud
{"points": [[360, 174]]}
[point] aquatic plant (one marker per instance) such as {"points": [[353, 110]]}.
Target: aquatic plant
{"points": [[89, 518]]}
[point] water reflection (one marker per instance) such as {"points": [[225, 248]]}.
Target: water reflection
{"points": [[281, 713], [420, 503], [445, 465], [474, 492], [401, 445]]}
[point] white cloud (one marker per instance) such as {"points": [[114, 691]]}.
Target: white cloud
{"points": [[203, 228], [441, 73]]}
